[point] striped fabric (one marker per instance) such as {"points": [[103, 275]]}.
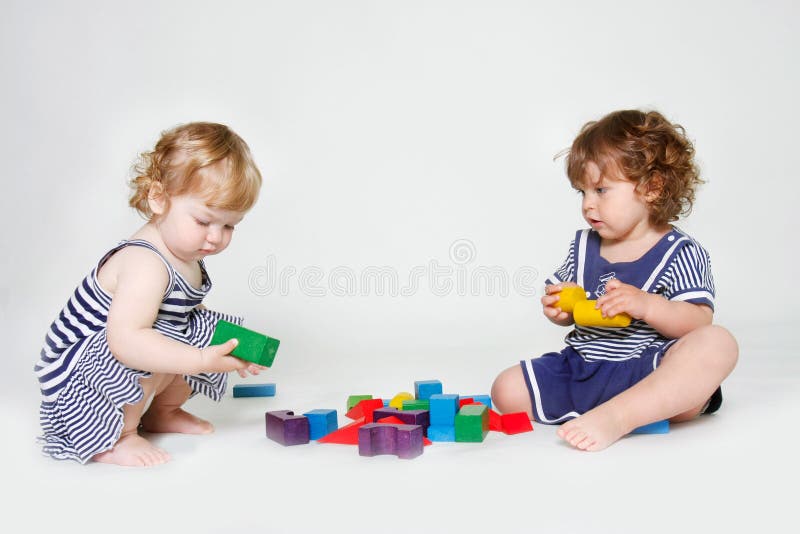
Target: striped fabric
{"points": [[84, 387], [677, 268]]}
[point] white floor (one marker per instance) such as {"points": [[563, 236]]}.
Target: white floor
{"points": [[731, 472]]}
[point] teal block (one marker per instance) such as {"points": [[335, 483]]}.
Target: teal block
{"points": [[254, 390], [321, 422], [659, 427], [253, 347], [442, 433], [443, 408], [483, 399], [423, 389]]}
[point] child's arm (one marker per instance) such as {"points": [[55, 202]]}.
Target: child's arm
{"points": [[550, 305], [140, 282], [671, 318]]}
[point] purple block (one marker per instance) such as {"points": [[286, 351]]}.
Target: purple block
{"points": [[287, 428], [379, 438], [408, 417]]}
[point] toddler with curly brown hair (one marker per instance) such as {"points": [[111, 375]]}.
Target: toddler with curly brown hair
{"points": [[636, 173]]}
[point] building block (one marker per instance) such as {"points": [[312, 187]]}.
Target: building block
{"points": [[397, 400], [405, 441], [472, 423], [585, 314], [659, 427], [483, 399], [254, 390], [347, 435], [441, 433], [352, 400], [443, 408], [516, 423], [495, 421], [364, 409], [568, 296], [408, 417], [463, 401], [416, 404], [423, 389], [253, 347], [287, 428], [321, 422]]}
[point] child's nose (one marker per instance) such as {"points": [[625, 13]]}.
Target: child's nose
{"points": [[214, 235]]}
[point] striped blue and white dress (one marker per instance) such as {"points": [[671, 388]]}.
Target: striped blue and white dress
{"points": [[599, 363], [84, 387]]}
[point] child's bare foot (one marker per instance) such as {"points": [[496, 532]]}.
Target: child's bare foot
{"points": [[175, 420], [134, 451], [593, 431]]}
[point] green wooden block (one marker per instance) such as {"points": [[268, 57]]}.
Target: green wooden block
{"points": [[416, 404], [253, 347], [352, 400], [472, 423]]}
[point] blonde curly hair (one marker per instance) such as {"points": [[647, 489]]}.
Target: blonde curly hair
{"points": [[646, 149], [202, 158]]}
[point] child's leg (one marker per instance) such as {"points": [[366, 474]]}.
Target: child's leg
{"points": [[131, 449], [510, 393], [166, 415], [678, 389]]}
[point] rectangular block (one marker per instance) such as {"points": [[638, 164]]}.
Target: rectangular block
{"points": [[416, 404], [423, 389], [483, 399], [659, 427], [443, 408], [254, 390], [287, 428], [472, 423], [253, 346], [321, 422], [441, 433]]}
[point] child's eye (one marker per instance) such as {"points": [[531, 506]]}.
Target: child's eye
{"points": [[580, 192], [600, 190], [201, 223], [230, 227]]}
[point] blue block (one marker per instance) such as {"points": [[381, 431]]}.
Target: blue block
{"points": [[441, 433], [483, 399], [423, 389], [443, 408], [254, 390], [659, 427], [321, 423]]}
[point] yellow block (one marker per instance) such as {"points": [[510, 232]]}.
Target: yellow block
{"points": [[568, 296], [397, 400], [585, 314]]}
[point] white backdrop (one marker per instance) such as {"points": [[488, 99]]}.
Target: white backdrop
{"points": [[396, 139]]}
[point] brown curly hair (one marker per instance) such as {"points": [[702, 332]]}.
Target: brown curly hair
{"points": [[203, 158], [646, 149]]}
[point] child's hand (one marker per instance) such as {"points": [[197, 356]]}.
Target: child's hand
{"points": [[217, 359], [623, 298], [550, 304]]}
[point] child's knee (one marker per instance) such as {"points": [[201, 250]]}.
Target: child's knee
{"points": [[726, 349], [509, 393]]}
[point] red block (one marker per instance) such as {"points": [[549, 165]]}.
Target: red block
{"points": [[516, 423], [465, 401], [495, 421], [347, 435], [364, 409]]}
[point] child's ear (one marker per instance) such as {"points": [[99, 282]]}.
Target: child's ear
{"points": [[157, 198], [654, 188]]}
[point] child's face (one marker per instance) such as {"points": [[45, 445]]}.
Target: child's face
{"points": [[612, 205], [191, 230]]}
